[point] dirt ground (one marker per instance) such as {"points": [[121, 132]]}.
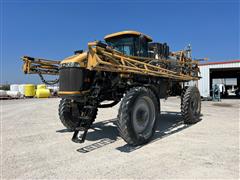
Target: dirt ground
{"points": [[36, 145]]}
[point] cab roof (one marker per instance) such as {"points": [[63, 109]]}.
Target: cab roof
{"points": [[127, 33]]}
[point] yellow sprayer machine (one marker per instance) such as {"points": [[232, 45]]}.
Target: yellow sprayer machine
{"points": [[127, 67]]}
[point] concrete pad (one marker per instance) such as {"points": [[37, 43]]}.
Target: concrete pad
{"points": [[36, 145]]}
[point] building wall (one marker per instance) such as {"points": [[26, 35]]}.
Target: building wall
{"points": [[204, 82]]}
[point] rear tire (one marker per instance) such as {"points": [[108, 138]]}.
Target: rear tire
{"points": [[182, 96], [137, 115], [191, 105]]}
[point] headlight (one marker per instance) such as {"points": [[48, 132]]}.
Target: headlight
{"points": [[70, 64]]}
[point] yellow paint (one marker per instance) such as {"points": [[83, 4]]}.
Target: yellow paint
{"points": [[29, 90], [42, 93], [34, 65], [126, 33], [107, 59], [76, 58], [41, 86], [71, 92]]}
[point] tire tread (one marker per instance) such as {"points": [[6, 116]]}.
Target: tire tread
{"points": [[124, 118]]}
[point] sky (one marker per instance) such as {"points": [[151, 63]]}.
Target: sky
{"points": [[54, 29]]}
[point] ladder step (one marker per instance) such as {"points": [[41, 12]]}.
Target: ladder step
{"points": [[81, 128], [89, 107], [79, 139], [85, 118]]}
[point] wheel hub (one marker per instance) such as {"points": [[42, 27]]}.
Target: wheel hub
{"points": [[195, 105], [143, 114]]}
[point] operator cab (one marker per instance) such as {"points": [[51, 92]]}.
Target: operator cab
{"points": [[130, 43]]}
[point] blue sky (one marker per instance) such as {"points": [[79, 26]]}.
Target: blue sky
{"points": [[54, 29]]}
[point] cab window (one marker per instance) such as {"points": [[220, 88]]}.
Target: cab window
{"points": [[124, 45], [131, 46]]}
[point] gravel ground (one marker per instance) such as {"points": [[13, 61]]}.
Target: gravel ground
{"points": [[36, 145]]}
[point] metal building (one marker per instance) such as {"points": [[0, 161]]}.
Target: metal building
{"points": [[226, 73]]}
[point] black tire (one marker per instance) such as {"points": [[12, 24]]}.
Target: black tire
{"points": [[69, 111], [66, 112], [191, 105], [137, 116], [182, 96]]}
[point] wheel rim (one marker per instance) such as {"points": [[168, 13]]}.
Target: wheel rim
{"points": [[143, 116], [195, 105]]}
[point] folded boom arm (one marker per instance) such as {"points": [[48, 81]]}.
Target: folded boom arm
{"points": [[40, 66]]}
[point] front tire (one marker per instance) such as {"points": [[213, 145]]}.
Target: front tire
{"points": [[191, 105], [68, 113], [137, 115]]}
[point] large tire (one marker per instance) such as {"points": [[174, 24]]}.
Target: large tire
{"points": [[137, 116], [191, 105], [69, 113], [66, 112], [182, 96]]}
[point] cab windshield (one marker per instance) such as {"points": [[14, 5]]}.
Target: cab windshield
{"points": [[131, 46], [124, 45]]}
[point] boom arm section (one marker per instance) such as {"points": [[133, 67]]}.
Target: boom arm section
{"points": [[40, 66], [107, 59]]}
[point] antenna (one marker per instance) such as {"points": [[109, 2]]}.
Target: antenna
{"points": [[189, 51]]}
